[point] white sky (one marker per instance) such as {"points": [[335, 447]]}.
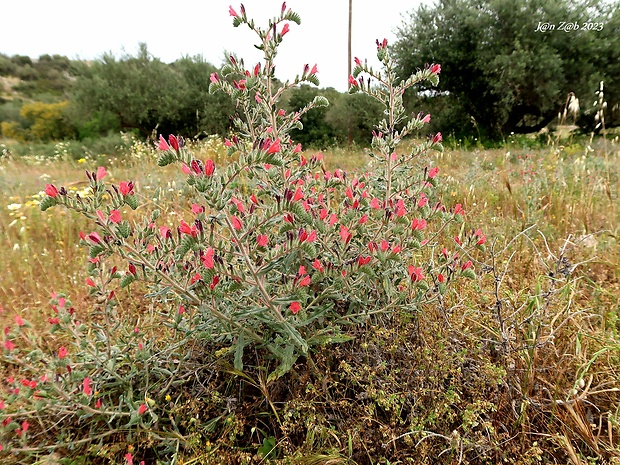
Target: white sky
{"points": [[172, 29]]}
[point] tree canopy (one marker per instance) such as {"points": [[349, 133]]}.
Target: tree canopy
{"points": [[501, 70]]}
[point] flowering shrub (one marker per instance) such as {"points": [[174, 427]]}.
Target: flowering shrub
{"points": [[279, 254]]}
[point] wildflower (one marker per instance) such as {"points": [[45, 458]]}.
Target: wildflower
{"points": [[129, 458], [295, 307], [305, 281], [115, 216], [51, 190], [197, 209], [174, 142], [418, 225], [374, 203], [19, 321], [239, 204], [214, 78], [353, 82], [285, 29], [232, 12], [423, 200], [458, 209], [262, 240], [142, 409], [163, 145], [88, 390], [89, 282], [314, 70], [427, 118], [207, 258], [62, 352], [415, 273], [466, 265], [433, 172], [437, 138], [186, 229], [298, 195], [165, 232], [435, 69], [101, 173], [126, 188], [274, 147], [197, 277], [316, 264], [209, 167], [9, 345], [214, 281], [345, 235]]}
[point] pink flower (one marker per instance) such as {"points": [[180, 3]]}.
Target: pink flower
{"points": [[126, 188], [435, 69], [19, 321], [415, 273], [88, 390], [239, 204], [101, 173], [314, 70], [25, 426], [115, 216], [236, 223], [129, 458], [51, 190], [374, 203], [262, 240], [437, 138], [299, 194], [297, 148], [433, 172], [305, 281], [214, 78], [418, 225], [165, 232], [62, 352], [197, 209], [316, 264], [186, 229], [9, 345], [358, 62], [285, 29], [89, 282], [232, 12], [427, 118], [163, 145], [458, 209], [466, 265], [345, 235], [142, 409], [94, 238], [295, 307], [197, 277], [275, 146], [423, 200], [353, 81], [186, 169]]}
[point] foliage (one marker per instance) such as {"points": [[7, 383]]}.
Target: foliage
{"points": [[506, 75]]}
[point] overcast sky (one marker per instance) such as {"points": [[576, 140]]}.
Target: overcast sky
{"points": [[172, 29]]}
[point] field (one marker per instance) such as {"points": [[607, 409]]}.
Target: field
{"points": [[533, 379]]}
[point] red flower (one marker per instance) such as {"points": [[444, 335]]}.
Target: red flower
{"points": [[94, 238], [435, 69], [433, 172], [186, 229], [418, 225], [466, 265], [129, 458], [285, 29], [353, 81], [90, 282], [274, 146], [214, 78], [115, 216], [316, 264], [295, 307], [374, 203], [305, 281], [209, 167], [345, 235], [88, 390], [384, 245], [19, 321], [358, 62], [262, 240], [174, 142], [62, 352], [51, 190], [437, 138], [9, 345], [363, 260], [142, 409], [236, 223], [163, 145], [214, 281], [232, 12], [299, 194], [314, 70], [458, 209], [126, 188], [195, 278], [238, 204], [197, 209], [415, 273], [165, 232]]}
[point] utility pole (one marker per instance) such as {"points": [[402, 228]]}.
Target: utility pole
{"points": [[350, 134]]}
